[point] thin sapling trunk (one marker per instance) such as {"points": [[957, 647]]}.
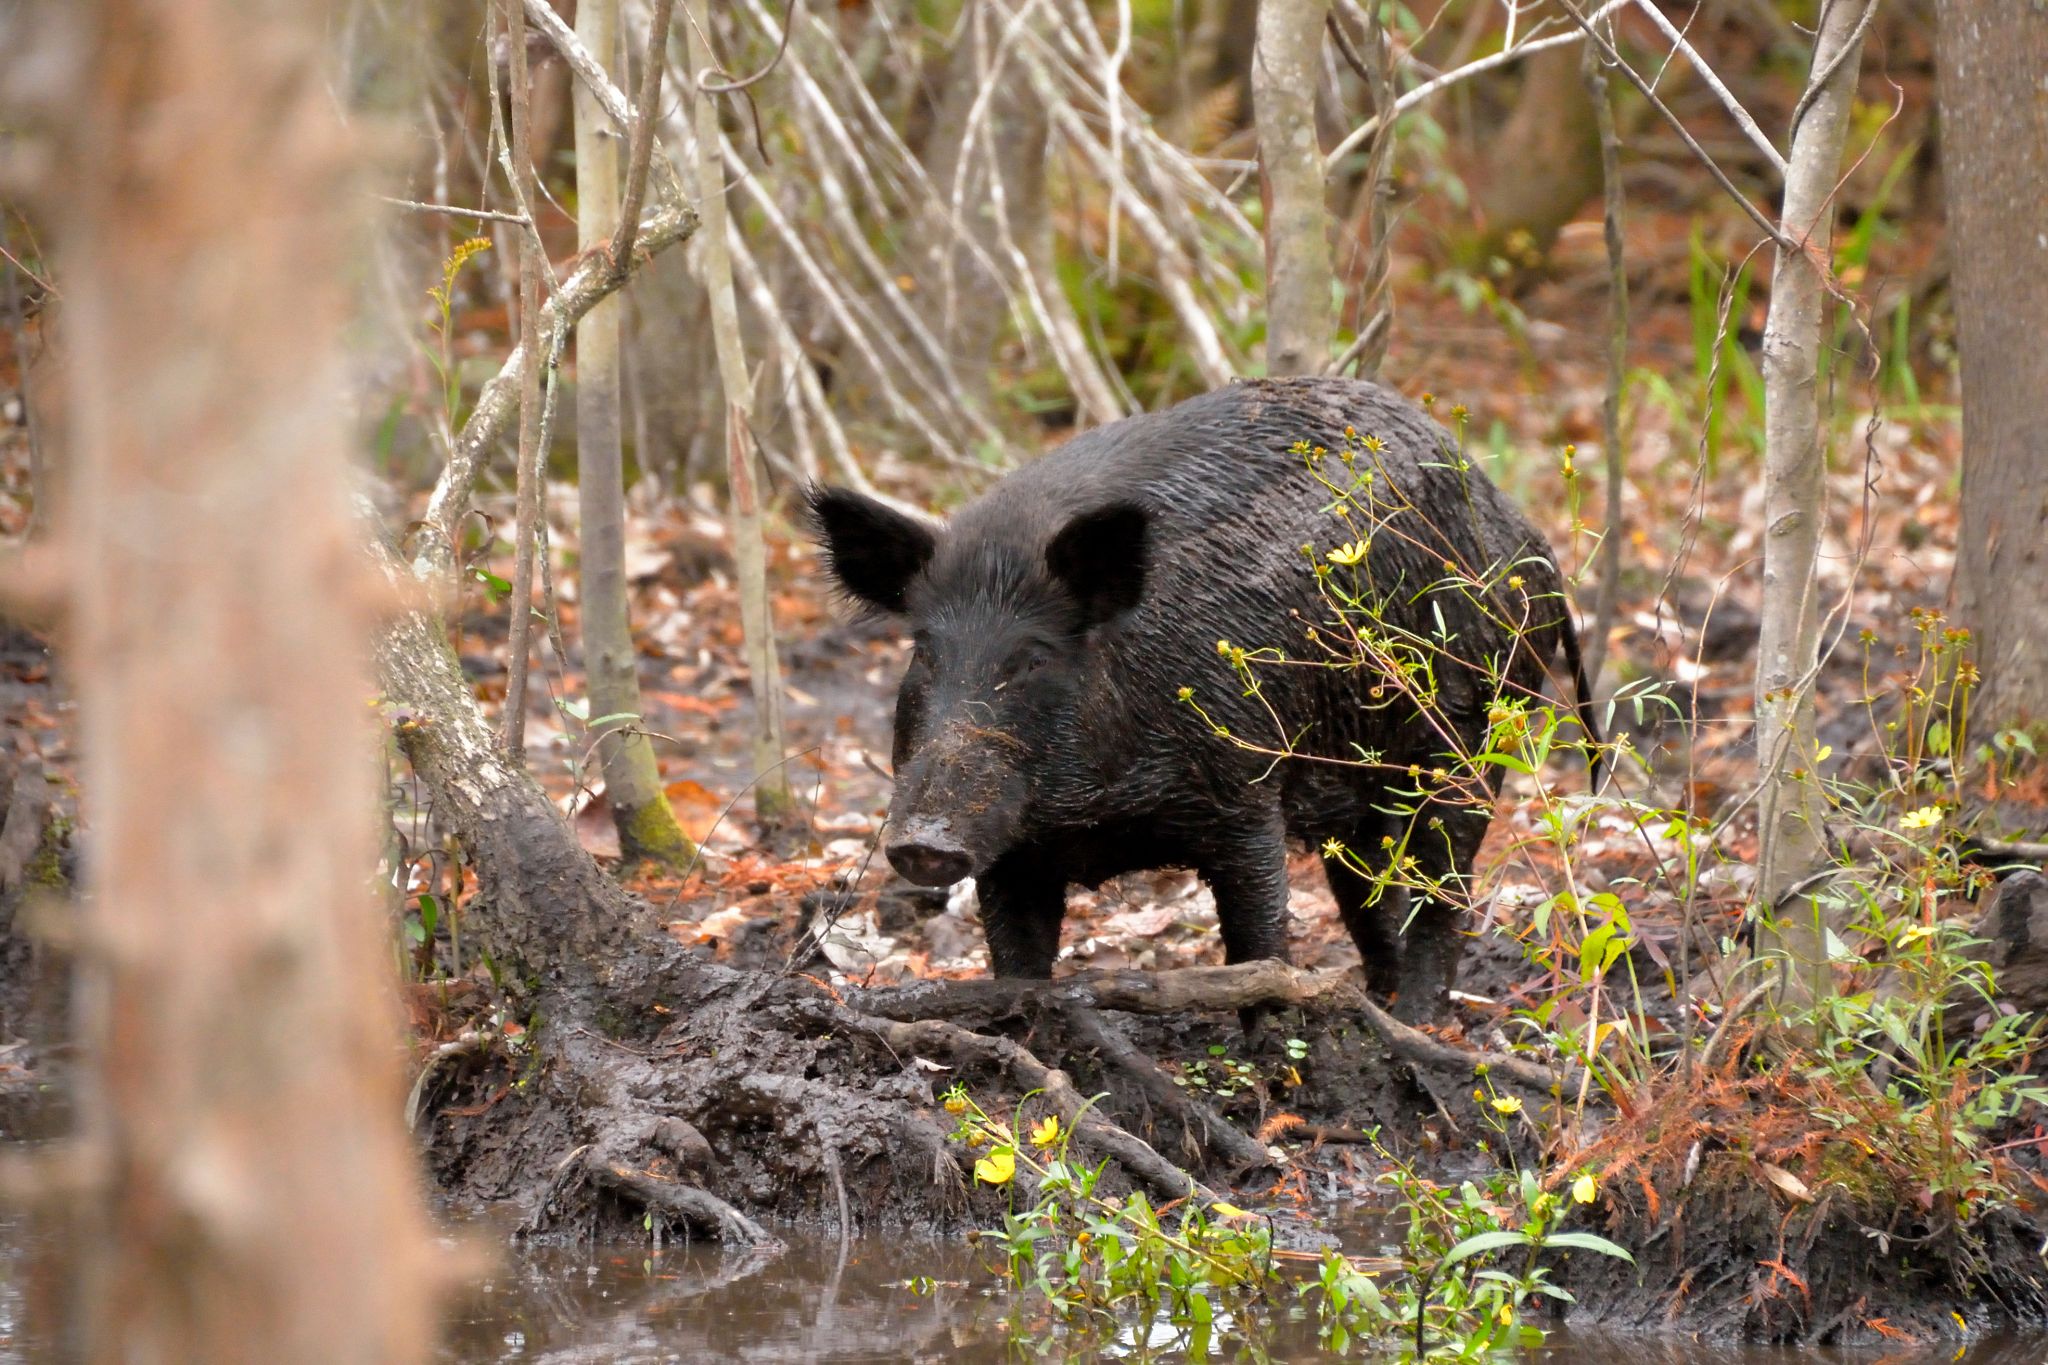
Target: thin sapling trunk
{"points": [[646, 823], [774, 803]]}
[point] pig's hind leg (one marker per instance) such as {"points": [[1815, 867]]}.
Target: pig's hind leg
{"points": [[1244, 861], [1374, 912], [1435, 939]]}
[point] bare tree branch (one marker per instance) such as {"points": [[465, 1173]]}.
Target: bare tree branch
{"points": [[1756, 215], [488, 215], [1614, 537], [610, 98], [1436, 85], [1713, 82], [497, 406], [646, 111]]}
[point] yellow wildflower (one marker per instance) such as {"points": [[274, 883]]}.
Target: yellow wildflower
{"points": [[1348, 554], [997, 1168], [1585, 1189], [1506, 1104], [1046, 1133], [1927, 817]]}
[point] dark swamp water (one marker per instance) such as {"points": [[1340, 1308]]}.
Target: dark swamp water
{"points": [[701, 1304], [626, 1305]]}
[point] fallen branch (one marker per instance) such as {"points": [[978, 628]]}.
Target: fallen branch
{"points": [[1183, 989], [2015, 848], [1246, 985]]}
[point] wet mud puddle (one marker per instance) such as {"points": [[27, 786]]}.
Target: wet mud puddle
{"points": [[635, 1307], [619, 1305]]}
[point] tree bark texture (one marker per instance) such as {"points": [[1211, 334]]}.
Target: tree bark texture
{"points": [[1791, 806], [1993, 61], [773, 801], [1286, 67], [632, 781], [251, 1190]]}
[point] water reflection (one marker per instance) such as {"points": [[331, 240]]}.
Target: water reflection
{"points": [[563, 1306], [628, 1306]]}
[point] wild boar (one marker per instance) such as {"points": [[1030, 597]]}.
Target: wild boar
{"points": [[1059, 719]]}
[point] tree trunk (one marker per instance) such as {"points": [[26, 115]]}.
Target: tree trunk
{"points": [[1544, 164], [632, 781], [251, 1193], [1286, 70], [1994, 150], [774, 803], [530, 474], [1791, 806]]}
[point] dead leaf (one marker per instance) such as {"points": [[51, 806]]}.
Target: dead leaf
{"points": [[697, 808], [1786, 1181]]}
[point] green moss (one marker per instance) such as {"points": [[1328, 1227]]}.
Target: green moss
{"points": [[46, 869], [1852, 1170], [650, 833]]}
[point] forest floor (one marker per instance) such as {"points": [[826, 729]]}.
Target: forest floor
{"points": [[1686, 623]]}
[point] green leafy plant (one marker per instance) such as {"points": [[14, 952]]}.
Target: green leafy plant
{"points": [[1472, 1273], [1912, 977], [1189, 1274]]}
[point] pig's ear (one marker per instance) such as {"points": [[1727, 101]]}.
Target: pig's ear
{"points": [[871, 550], [1099, 557]]}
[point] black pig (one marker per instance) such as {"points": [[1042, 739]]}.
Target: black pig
{"points": [[1041, 738]]}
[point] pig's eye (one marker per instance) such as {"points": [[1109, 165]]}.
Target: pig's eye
{"points": [[1024, 663]]}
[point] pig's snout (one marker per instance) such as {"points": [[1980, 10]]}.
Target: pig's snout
{"points": [[929, 853]]}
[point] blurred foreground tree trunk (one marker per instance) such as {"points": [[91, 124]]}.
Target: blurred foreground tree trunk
{"points": [[1791, 807], [1286, 68], [1994, 149], [250, 1187], [632, 781]]}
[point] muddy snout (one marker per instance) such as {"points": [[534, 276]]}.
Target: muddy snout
{"points": [[929, 852]]}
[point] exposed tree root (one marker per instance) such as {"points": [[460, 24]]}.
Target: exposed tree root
{"points": [[1097, 1134], [686, 1203], [27, 806], [1244, 986], [1201, 1124]]}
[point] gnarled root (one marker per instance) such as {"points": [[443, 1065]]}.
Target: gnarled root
{"points": [[701, 1209], [1096, 1134]]}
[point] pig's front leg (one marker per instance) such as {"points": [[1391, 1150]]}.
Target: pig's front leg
{"points": [[1021, 908]]}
